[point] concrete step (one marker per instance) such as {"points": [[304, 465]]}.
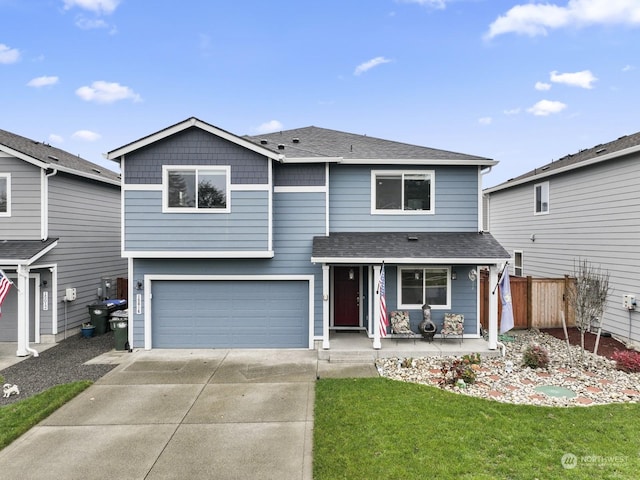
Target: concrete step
{"points": [[352, 357]]}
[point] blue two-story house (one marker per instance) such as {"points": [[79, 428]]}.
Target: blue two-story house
{"points": [[275, 240]]}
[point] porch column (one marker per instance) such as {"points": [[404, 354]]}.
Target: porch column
{"points": [[23, 311], [376, 308], [325, 306], [493, 307]]}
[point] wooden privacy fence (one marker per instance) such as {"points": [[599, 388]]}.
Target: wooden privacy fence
{"points": [[537, 302]]}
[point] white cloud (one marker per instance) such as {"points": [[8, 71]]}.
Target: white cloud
{"points": [[542, 86], [90, 24], [8, 55], [583, 79], [628, 68], [485, 120], [105, 7], [512, 111], [537, 18], [368, 65], [86, 135], [270, 126], [439, 4], [54, 138], [42, 81], [105, 92], [546, 107]]}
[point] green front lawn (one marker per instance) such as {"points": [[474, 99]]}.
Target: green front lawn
{"points": [[376, 428], [17, 418]]}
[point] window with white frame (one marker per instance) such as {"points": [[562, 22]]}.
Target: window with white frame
{"points": [[518, 270], [541, 198], [5, 195], [395, 192], [196, 189], [420, 285]]}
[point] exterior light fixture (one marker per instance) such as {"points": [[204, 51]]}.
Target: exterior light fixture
{"points": [[352, 274], [454, 274]]}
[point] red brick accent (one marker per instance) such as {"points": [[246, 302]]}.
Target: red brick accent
{"points": [[584, 401], [631, 393], [594, 389]]}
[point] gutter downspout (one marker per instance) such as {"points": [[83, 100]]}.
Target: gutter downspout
{"points": [[481, 198], [44, 204]]}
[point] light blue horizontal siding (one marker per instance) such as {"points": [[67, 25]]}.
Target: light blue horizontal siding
{"points": [[148, 228], [456, 202], [298, 217], [464, 299]]}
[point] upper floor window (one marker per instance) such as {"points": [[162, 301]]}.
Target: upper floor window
{"points": [[418, 286], [196, 189], [402, 192], [5, 195], [541, 198]]}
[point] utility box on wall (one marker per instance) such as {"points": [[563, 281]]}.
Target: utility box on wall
{"points": [[108, 286]]}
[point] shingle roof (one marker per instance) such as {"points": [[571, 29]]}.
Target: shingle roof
{"points": [[13, 252], [425, 247], [56, 157], [574, 160], [310, 142]]}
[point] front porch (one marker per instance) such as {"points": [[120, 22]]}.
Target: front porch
{"points": [[357, 347]]}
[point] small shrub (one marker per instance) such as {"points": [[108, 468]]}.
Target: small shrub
{"points": [[535, 356], [407, 363], [460, 369], [627, 361]]}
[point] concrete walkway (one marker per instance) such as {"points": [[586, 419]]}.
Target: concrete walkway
{"points": [[168, 414]]}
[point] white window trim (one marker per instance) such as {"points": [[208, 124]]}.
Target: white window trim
{"points": [[423, 267], [521, 266], [165, 188], [7, 176], [544, 188], [375, 211]]}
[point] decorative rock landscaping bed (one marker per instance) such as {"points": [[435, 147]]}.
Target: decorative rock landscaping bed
{"points": [[595, 381]]}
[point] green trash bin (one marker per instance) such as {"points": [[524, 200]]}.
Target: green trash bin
{"points": [[120, 325], [99, 318]]}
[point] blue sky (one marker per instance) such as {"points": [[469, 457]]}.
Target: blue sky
{"points": [[521, 82]]}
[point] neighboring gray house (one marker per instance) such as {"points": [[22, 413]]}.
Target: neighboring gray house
{"points": [[59, 230], [275, 240], [585, 206]]}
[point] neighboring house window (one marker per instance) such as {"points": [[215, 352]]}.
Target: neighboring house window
{"points": [[5, 195], [418, 286], [196, 189], [517, 263], [402, 192], [542, 198]]}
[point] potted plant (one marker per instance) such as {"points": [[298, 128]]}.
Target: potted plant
{"points": [[87, 330]]}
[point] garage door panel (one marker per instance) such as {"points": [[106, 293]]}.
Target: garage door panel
{"points": [[230, 314]]}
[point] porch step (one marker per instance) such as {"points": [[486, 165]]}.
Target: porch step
{"points": [[352, 357]]}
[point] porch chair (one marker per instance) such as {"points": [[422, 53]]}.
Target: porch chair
{"points": [[453, 324], [400, 323]]}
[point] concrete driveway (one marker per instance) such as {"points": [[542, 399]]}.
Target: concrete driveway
{"points": [[201, 414]]}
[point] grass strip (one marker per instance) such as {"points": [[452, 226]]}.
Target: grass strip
{"points": [[17, 418], [376, 428]]}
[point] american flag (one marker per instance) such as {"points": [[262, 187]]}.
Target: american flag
{"points": [[5, 285], [384, 320]]}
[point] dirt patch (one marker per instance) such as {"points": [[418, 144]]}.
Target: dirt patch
{"points": [[606, 347]]}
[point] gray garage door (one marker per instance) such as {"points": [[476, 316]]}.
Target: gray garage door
{"points": [[230, 314]]}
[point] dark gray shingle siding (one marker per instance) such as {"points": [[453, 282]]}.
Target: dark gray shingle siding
{"points": [[194, 147]]}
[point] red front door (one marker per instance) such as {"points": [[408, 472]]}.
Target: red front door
{"points": [[346, 295]]}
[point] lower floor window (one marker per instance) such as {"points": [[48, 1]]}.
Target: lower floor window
{"points": [[424, 285]]}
